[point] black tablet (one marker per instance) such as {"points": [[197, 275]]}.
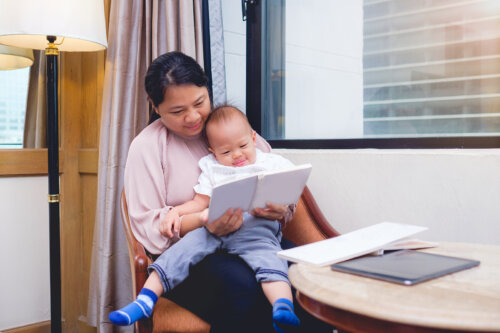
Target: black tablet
{"points": [[405, 267]]}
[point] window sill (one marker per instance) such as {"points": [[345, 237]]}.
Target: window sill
{"points": [[23, 162]]}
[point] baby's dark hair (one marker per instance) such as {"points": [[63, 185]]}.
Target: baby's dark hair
{"points": [[223, 113]]}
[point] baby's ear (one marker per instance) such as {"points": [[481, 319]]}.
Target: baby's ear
{"points": [[254, 136], [211, 150]]}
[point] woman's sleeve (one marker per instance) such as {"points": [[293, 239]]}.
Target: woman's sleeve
{"points": [[262, 144], [145, 189], [288, 215]]}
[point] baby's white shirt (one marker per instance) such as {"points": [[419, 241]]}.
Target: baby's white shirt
{"points": [[213, 173]]}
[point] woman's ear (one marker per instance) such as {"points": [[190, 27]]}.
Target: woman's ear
{"points": [[155, 109]]}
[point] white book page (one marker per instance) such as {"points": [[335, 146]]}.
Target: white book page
{"points": [[350, 245], [282, 187], [233, 194]]}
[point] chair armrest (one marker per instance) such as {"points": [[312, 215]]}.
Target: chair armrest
{"points": [[141, 263], [320, 220], [140, 275], [308, 224]]}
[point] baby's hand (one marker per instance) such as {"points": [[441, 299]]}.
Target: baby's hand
{"points": [[171, 224]]}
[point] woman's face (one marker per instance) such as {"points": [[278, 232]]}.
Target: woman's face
{"points": [[185, 109]]}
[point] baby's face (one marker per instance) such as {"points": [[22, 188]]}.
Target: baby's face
{"points": [[232, 142]]}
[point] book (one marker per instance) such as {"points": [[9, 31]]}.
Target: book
{"points": [[353, 244], [282, 187]]}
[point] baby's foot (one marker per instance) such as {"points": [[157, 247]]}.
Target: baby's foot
{"points": [[141, 308], [284, 319]]}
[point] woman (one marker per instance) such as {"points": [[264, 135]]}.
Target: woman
{"points": [[161, 170]]}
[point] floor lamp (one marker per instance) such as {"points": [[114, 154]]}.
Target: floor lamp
{"points": [[53, 26], [15, 58]]}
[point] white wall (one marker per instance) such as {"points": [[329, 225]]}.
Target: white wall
{"points": [[24, 251], [456, 193]]}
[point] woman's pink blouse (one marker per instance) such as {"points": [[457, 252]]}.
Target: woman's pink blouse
{"points": [[160, 172]]}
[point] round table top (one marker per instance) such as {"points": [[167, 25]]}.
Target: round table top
{"points": [[465, 300]]}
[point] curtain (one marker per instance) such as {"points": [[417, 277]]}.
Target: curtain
{"points": [[35, 121], [138, 32], [217, 59], [177, 26]]}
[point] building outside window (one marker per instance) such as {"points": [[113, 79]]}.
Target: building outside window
{"points": [[431, 68], [13, 96], [361, 69]]}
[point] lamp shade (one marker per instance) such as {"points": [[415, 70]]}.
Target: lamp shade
{"points": [[15, 57], [79, 25]]}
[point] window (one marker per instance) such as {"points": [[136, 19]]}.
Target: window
{"points": [[13, 96], [368, 72]]}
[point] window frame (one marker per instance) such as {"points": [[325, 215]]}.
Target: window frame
{"points": [[254, 107]]}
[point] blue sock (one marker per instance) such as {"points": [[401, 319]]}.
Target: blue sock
{"points": [[284, 318], [141, 308]]}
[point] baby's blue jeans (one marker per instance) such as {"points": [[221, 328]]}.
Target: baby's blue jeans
{"points": [[256, 242]]}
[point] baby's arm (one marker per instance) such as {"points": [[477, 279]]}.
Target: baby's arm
{"points": [[193, 221], [170, 224], [199, 203], [195, 213]]}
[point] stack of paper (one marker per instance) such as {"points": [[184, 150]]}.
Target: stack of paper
{"points": [[352, 244]]}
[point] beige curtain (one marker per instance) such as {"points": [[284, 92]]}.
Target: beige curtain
{"points": [[35, 121], [139, 31]]}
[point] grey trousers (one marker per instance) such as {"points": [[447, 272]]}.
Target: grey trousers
{"points": [[256, 242]]}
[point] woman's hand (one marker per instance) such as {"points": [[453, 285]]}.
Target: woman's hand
{"points": [[271, 212], [227, 223], [171, 224]]}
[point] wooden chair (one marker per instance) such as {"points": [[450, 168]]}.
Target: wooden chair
{"points": [[308, 225]]}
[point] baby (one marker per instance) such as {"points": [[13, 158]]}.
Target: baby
{"points": [[232, 143]]}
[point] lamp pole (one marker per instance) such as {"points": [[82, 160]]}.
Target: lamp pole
{"points": [[51, 53], [80, 26]]}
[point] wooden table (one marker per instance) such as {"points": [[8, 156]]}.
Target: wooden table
{"points": [[468, 300]]}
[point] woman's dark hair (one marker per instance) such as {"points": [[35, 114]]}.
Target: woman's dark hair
{"points": [[172, 69]]}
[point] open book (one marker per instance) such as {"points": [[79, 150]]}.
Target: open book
{"points": [[385, 235], [282, 187]]}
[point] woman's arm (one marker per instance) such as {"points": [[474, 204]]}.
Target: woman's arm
{"points": [[148, 170]]}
